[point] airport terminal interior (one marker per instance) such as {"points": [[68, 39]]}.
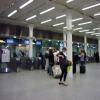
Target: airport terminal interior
{"points": [[49, 49]]}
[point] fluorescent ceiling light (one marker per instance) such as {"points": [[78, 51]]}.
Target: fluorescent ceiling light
{"points": [[77, 19], [98, 4], [25, 4], [60, 16], [45, 11], [97, 14], [31, 18], [96, 29], [68, 1], [57, 24], [64, 27], [84, 31], [46, 21], [78, 29], [12, 13], [95, 34], [85, 23], [90, 32]]}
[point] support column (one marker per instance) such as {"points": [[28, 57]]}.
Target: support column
{"points": [[69, 36], [85, 43], [69, 40], [31, 41], [99, 46], [65, 37]]}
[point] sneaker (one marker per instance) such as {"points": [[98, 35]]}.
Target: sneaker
{"points": [[60, 83], [65, 84]]}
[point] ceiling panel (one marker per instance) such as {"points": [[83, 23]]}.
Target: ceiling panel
{"points": [[5, 4], [61, 7]]}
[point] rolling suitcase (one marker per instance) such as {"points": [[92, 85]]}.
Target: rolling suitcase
{"points": [[56, 71], [82, 69]]}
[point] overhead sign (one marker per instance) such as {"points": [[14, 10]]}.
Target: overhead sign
{"points": [[26, 41], [39, 42], [61, 44], [10, 41]]}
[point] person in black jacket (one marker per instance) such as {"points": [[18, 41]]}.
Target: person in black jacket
{"points": [[63, 66], [97, 57], [51, 62], [75, 61], [42, 61]]}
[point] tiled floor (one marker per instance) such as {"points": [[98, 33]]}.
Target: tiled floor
{"points": [[37, 85]]}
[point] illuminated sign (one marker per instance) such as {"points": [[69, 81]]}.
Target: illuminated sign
{"points": [[39, 42], [1, 41], [61, 44], [10, 41], [26, 42]]}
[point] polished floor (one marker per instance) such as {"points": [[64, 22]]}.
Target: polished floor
{"points": [[37, 85]]}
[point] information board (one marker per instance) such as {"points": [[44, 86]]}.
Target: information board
{"points": [[5, 55]]}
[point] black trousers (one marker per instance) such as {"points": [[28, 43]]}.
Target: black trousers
{"points": [[63, 74], [74, 68]]}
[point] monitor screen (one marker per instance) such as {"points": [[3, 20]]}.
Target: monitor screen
{"points": [[39, 42], [26, 41], [10, 41], [61, 44]]}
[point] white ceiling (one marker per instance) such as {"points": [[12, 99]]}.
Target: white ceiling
{"points": [[61, 7]]}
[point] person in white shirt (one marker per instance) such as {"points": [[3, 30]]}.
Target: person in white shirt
{"points": [[47, 59], [56, 58]]}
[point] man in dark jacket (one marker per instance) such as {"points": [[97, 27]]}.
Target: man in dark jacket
{"points": [[63, 66], [75, 61], [51, 62]]}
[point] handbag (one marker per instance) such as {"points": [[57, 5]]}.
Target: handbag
{"points": [[68, 68]]}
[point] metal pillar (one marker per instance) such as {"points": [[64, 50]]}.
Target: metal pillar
{"points": [[69, 40], [85, 43], [99, 46], [65, 37], [31, 41]]}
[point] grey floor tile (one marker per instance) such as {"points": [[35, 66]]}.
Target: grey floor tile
{"points": [[38, 85]]}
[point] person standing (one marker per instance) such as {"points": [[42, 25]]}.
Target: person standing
{"points": [[47, 59], [56, 59], [82, 57], [97, 57], [42, 60], [82, 61], [51, 62], [63, 66], [75, 60]]}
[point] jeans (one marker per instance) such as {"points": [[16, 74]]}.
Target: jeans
{"points": [[50, 70], [63, 74], [82, 63]]}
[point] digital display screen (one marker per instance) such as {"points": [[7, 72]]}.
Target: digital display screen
{"points": [[38, 42], [26, 42], [61, 44], [10, 41]]}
